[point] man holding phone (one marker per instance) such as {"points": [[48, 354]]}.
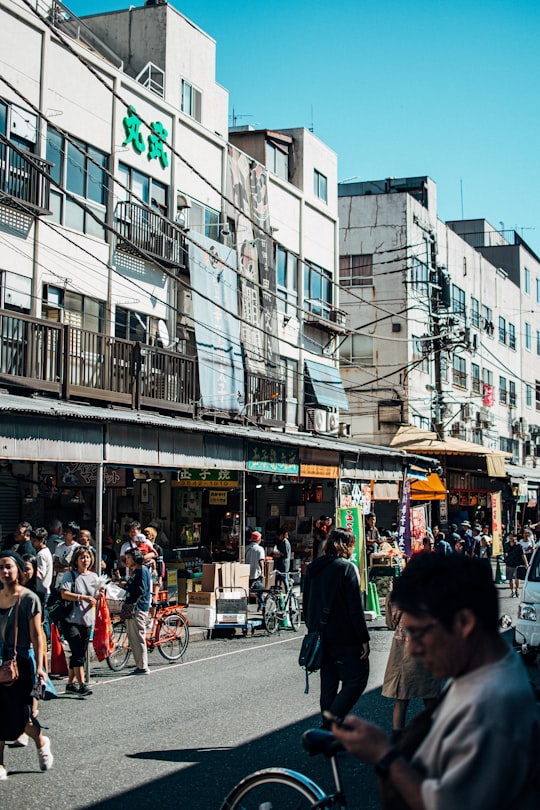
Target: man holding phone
{"points": [[472, 755]]}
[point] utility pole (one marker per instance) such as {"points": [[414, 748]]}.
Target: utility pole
{"points": [[437, 342]]}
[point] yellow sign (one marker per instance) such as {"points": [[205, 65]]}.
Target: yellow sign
{"points": [[319, 471], [217, 498], [496, 528], [205, 484]]}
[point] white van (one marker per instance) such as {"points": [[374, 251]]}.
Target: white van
{"points": [[527, 630]]}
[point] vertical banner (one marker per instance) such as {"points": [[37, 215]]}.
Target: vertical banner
{"points": [[404, 522], [267, 270], [496, 521], [217, 328], [351, 518]]}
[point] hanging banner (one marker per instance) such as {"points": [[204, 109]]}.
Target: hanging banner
{"points": [[217, 328], [418, 527], [496, 524], [247, 187], [352, 519], [404, 522]]}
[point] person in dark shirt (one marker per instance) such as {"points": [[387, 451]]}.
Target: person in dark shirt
{"points": [[513, 557], [332, 583], [19, 540]]}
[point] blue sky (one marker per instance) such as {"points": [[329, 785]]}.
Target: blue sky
{"points": [[396, 89]]}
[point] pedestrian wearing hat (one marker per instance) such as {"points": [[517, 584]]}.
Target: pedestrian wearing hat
{"points": [[255, 557], [467, 537]]}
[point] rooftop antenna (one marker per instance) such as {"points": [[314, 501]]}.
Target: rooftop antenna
{"points": [[311, 128], [235, 116]]}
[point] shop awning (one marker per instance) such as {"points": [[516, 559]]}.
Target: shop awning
{"points": [[429, 489], [495, 466], [327, 385], [416, 440]]}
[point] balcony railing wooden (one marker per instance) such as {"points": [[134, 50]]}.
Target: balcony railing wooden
{"points": [[23, 179], [148, 234]]}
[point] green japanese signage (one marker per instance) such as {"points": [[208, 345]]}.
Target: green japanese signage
{"points": [[273, 459], [155, 142]]}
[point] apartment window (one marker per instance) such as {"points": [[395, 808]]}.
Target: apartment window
{"points": [[143, 189], [190, 100], [475, 379], [356, 271], [528, 395], [357, 349], [80, 169], [317, 290], [419, 276], [277, 159], [130, 325], [512, 397], [458, 300], [502, 330], [204, 220], [527, 281], [459, 372], [538, 290], [538, 341], [287, 281], [502, 391], [511, 336], [320, 185], [475, 312], [289, 370], [528, 338], [487, 376], [487, 320], [64, 306], [537, 394]]}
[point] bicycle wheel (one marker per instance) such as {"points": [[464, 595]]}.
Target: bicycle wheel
{"points": [[270, 613], [294, 612], [275, 789], [119, 656], [172, 636]]}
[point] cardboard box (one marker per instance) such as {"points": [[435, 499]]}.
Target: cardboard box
{"points": [[225, 575], [200, 616], [211, 576], [207, 598], [268, 578]]}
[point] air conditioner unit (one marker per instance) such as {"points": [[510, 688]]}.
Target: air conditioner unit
{"points": [[466, 412], [485, 417], [458, 429], [316, 420], [332, 422], [523, 426]]}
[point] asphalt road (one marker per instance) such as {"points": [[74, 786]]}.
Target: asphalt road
{"points": [[184, 735]]}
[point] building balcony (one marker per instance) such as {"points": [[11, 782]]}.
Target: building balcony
{"points": [[24, 181], [41, 356], [148, 234], [325, 316]]}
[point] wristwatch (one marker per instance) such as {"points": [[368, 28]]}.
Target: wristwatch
{"points": [[382, 767]]}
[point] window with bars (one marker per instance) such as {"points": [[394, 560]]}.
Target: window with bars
{"points": [[512, 396], [459, 372], [528, 395], [458, 300], [317, 290], [502, 391], [528, 337], [511, 336], [475, 312], [356, 270], [287, 281], [357, 350], [64, 306]]}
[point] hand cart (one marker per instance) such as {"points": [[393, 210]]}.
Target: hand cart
{"points": [[232, 610]]}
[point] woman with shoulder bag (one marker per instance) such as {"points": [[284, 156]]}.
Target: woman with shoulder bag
{"points": [[79, 586], [139, 588], [20, 629]]}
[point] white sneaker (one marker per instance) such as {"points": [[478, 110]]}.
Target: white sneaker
{"points": [[45, 756], [21, 741], [3, 774]]}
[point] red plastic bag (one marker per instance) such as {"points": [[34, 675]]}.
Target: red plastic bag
{"points": [[103, 636]]}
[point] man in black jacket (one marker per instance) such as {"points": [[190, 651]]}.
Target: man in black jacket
{"points": [[332, 588]]}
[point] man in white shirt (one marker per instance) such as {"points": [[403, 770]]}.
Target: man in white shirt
{"points": [[64, 550], [255, 557], [38, 538]]}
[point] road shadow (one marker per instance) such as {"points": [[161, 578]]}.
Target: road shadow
{"points": [[207, 774]]}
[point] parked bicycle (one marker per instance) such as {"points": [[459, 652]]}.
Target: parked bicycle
{"points": [[279, 605], [284, 789], [167, 631]]}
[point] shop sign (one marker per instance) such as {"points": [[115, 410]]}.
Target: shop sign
{"points": [[210, 479], [278, 460], [217, 498], [85, 475], [154, 145], [496, 521], [319, 471], [352, 519], [488, 396]]}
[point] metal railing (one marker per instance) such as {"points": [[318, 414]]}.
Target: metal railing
{"points": [[265, 399], [23, 178], [148, 233]]}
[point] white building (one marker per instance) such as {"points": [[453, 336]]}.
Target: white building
{"points": [[155, 275], [443, 324]]}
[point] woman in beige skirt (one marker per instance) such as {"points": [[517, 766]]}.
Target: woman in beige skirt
{"points": [[405, 676]]}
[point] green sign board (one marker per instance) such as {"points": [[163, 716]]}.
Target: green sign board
{"points": [[155, 140], [352, 519], [273, 459]]}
